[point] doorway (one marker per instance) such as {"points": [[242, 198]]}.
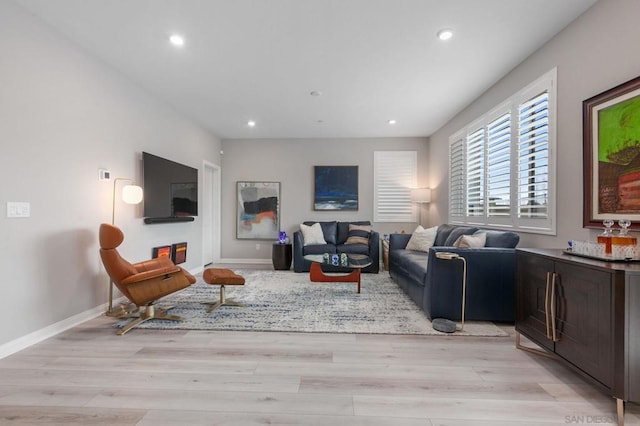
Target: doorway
{"points": [[210, 213]]}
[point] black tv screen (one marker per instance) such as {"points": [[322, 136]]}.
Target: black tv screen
{"points": [[170, 188]]}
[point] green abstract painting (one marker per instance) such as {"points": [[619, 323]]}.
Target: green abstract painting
{"points": [[619, 132]]}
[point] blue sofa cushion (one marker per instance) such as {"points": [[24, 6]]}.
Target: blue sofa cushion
{"points": [[319, 249], [329, 230], [410, 263], [457, 232], [343, 230], [443, 234], [502, 239], [353, 248]]}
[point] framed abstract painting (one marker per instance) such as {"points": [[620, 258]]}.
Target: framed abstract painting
{"points": [[161, 251], [611, 155], [336, 188], [179, 253], [258, 210]]}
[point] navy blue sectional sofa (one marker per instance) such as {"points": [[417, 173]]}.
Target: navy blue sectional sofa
{"points": [[435, 285]]}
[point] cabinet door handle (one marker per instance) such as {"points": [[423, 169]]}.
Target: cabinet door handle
{"points": [[554, 336], [546, 306]]}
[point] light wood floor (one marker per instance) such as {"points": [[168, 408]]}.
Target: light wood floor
{"points": [[90, 376]]}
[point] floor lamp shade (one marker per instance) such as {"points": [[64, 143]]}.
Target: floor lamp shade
{"points": [[131, 194], [421, 195]]}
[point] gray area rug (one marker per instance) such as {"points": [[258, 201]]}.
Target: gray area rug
{"points": [[288, 301]]}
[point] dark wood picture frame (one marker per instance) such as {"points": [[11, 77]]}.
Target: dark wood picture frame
{"points": [[611, 155]]}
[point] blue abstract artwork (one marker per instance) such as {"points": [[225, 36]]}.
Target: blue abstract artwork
{"points": [[336, 188]]}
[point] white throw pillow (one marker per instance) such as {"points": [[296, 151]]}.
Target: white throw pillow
{"points": [[471, 241], [312, 234], [422, 239]]}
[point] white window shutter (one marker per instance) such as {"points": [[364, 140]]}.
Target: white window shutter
{"points": [[457, 171], [499, 167], [502, 168], [395, 173], [533, 157], [475, 173]]}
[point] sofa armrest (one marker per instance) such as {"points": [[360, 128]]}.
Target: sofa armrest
{"points": [[490, 288], [298, 252], [374, 252], [398, 241]]}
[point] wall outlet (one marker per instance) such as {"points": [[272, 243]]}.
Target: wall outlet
{"points": [[18, 209], [257, 246]]}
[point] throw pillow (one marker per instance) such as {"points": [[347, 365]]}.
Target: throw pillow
{"points": [[471, 241], [422, 239], [312, 234], [358, 234], [457, 231]]}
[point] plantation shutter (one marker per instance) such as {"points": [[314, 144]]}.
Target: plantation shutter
{"points": [[395, 173], [456, 178], [475, 173], [499, 167], [533, 157]]}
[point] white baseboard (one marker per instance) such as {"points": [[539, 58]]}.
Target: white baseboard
{"points": [[197, 270], [38, 336], [23, 342], [248, 261]]}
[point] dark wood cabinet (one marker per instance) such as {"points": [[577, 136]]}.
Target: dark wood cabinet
{"points": [[584, 312]]}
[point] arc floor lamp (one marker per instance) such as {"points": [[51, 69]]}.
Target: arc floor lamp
{"points": [[131, 194]]}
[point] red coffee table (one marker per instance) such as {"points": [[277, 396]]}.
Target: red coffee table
{"points": [[351, 261]]}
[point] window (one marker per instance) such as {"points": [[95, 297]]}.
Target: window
{"points": [[394, 174], [501, 166]]}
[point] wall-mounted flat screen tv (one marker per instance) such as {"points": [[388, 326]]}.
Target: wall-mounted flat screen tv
{"points": [[170, 188]]}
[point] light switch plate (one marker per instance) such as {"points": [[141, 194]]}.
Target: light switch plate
{"points": [[104, 174], [18, 209]]}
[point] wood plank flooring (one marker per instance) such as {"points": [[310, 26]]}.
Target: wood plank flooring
{"points": [[91, 376]]}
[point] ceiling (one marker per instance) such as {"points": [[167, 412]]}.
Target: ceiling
{"points": [[371, 60]]}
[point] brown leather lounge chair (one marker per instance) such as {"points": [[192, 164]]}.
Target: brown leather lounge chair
{"points": [[142, 283]]}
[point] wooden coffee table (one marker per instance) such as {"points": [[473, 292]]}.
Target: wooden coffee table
{"points": [[351, 261]]}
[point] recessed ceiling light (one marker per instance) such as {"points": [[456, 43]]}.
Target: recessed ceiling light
{"points": [[445, 34], [392, 122], [251, 123], [177, 40]]}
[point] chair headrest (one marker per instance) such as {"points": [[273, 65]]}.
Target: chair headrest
{"points": [[110, 236]]}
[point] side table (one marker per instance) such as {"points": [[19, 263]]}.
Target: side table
{"points": [[281, 255], [385, 254]]}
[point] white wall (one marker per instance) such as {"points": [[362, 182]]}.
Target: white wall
{"points": [[595, 53], [63, 115], [291, 162]]}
